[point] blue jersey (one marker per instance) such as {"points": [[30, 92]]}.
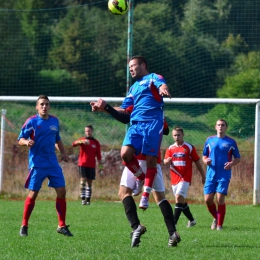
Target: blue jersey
{"points": [[220, 151], [144, 96], [45, 133]]}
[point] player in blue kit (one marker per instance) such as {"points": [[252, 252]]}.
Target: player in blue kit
{"points": [[41, 134], [220, 154], [146, 124]]}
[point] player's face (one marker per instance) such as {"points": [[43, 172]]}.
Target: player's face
{"points": [[221, 127], [88, 132], [177, 136], [137, 70], [43, 108]]}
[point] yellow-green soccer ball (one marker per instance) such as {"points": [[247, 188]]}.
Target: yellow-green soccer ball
{"points": [[118, 7]]}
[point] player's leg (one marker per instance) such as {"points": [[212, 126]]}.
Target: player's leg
{"points": [[83, 181], [131, 146], [57, 181], [33, 183], [180, 192], [222, 190], [127, 185], [151, 172], [91, 175], [152, 136], [165, 207], [186, 211], [209, 194]]}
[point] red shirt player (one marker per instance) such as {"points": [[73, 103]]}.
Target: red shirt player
{"points": [[180, 156], [89, 151]]}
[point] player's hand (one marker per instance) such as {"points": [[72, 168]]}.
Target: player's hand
{"points": [[209, 161], [98, 105], [65, 158], [164, 91], [167, 160], [228, 165], [30, 143]]}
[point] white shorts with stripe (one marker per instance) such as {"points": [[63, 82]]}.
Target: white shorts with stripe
{"points": [[128, 179], [181, 188]]}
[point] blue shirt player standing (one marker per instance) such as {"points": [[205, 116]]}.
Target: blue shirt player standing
{"points": [[41, 134], [220, 154]]}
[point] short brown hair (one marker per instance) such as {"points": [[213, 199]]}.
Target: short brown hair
{"points": [[42, 97], [223, 120], [178, 128], [140, 60]]}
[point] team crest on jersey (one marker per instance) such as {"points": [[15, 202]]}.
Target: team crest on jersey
{"points": [[93, 146], [54, 128], [179, 155], [225, 145]]}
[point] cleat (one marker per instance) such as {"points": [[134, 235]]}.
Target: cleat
{"points": [[191, 223], [214, 224], [64, 231], [136, 234], [138, 187], [219, 228], [174, 239], [83, 202], [142, 231], [144, 203], [24, 231]]}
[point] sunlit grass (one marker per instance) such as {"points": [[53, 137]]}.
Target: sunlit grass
{"points": [[101, 231]]}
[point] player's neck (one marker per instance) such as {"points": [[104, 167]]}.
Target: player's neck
{"points": [[180, 143], [221, 135], [44, 116]]}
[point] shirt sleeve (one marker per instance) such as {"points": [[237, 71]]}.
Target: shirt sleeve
{"points": [[26, 130], [194, 155], [167, 153]]}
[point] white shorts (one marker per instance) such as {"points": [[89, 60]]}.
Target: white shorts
{"points": [[128, 179], [181, 188]]}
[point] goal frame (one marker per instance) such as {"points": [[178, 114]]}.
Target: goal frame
{"points": [[256, 102]]}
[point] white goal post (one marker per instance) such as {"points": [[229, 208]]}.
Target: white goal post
{"points": [[166, 100]]}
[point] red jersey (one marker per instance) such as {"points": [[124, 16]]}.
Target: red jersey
{"points": [[88, 152], [181, 164]]}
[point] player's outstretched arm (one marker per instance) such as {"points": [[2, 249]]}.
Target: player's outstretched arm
{"points": [[164, 90], [118, 113]]}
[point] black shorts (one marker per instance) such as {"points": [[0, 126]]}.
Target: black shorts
{"points": [[86, 172]]}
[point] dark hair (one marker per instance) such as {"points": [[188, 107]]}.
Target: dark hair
{"points": [[223, 120], [178, 128], [42, 97], [90, 126], [140, 60]]}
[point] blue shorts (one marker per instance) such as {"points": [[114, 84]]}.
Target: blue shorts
{"points": [[211, 186], [36, 176], [145, 137]]}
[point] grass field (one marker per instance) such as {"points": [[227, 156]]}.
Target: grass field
{"points": [[101, 231]]}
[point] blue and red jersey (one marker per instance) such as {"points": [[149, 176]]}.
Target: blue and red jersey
{"points": [[220, 151], [45, 133], [144, 96]]}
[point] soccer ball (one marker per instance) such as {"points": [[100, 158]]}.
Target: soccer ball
{"points": [[118, 7]]}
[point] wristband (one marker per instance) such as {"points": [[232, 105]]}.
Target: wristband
{"points": [[100, 167]]}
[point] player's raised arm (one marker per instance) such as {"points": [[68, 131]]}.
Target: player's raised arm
{"points": [[164, 90]]}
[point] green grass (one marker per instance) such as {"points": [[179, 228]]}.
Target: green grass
{"points": [[101, 231]]}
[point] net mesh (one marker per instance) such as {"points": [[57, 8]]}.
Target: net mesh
{"points": [[204, 49]]}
